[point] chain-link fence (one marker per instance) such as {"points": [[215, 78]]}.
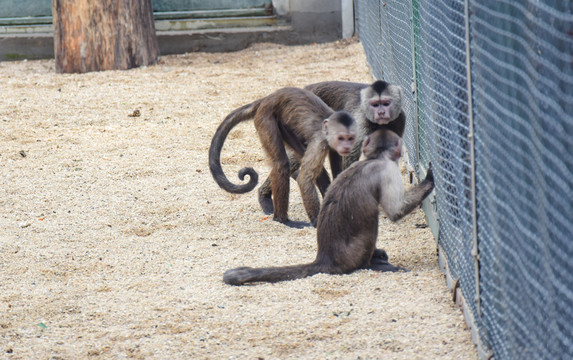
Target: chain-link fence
{"points": [[491, 108]]}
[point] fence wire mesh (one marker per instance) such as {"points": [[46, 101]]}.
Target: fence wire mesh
{"points": [[523, 81], [513, 108]]}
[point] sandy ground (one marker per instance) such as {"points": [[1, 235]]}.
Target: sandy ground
{"points": [[114, 237]]}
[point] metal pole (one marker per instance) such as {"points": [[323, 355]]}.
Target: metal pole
{"points": [[347, 10], [471, 138], [415, 88], [380, 37]]}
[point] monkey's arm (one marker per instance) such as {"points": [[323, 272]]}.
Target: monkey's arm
{"points": [[311, 167], [397, 204], [335, 163], [323, 182]]}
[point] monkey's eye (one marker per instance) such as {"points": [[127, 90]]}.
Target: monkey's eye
{"points": [[351, 138], [387, 103], [375, 104], [341, 138]]}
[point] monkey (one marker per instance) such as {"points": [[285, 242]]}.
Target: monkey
{"points": [[347, 226], [372, 106], [299, 120]]}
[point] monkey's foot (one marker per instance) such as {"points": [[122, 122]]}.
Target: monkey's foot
{"points": [[293, 224], [266, 204], [380, 254], [386, 267], [379, 262], [265, 197]]}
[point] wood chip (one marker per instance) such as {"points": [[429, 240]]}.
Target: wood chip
{"points": [[124, 263]]}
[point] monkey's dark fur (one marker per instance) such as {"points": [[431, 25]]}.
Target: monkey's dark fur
{"points": [[354, 98], [295, 118], [348, 221]]}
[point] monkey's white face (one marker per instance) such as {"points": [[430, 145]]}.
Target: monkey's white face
{"points": [[381, 108], [344, 143], [340, 138]]}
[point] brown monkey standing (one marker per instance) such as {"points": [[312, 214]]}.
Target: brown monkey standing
{"points": [[348, 221], [373, 106], [298, 119]]}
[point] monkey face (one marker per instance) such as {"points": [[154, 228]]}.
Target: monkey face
{"points": [[340, 132], [382, 108], [344, 143], [382, 102]]}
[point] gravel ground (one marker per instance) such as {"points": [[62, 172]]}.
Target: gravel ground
{"points": [[114, 237]]}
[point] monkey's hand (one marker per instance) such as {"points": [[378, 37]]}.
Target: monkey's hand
{"points": [[429, 174]]}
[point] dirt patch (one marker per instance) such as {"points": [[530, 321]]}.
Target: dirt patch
{"points": [[114, 237]]}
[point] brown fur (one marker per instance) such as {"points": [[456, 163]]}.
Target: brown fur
{"points": [[354, 98], [348, 221], [294, 118]]}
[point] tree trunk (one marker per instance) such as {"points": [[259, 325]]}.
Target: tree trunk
{"points": [[93, 35]]}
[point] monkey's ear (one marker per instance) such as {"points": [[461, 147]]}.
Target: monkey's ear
{"points": [[395, 91], [365, 143], [325, 127]]}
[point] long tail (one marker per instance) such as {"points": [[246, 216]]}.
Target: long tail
{"points": [[242, 275], [238, 115]]}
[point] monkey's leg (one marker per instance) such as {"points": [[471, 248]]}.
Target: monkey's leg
{"points": [[265, 197], [266, 192], [323, 182], [280, 187], [269, 133]]}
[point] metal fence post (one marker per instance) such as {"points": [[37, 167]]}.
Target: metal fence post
{"points": [[471, 138], [414, 87]]}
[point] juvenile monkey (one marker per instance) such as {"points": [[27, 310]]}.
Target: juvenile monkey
{"points": [[306, 125], [374, 106], [348, 220]]}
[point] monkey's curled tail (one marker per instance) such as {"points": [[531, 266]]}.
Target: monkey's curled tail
{"points": [[242, 275], [238, 115]]}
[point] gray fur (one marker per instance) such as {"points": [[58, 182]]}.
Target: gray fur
{"points": [[347, 226], [353, 98]]}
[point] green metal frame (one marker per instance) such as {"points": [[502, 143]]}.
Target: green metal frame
{"points": [[40, 19]]}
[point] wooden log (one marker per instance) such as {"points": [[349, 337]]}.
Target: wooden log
{"points": [[103, 35]]}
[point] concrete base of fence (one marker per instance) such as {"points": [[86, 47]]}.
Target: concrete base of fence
{"points": [[457, 296]]}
